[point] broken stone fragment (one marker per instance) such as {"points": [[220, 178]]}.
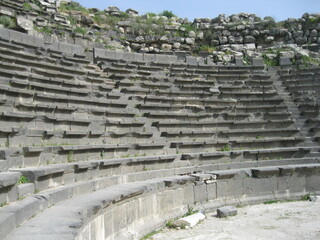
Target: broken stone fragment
{"points": [[24, 23], [227, 211], [132, 12], [189, 221]]}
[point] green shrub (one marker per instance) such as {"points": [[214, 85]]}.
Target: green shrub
{"points": [[305, 197], [7, 22], [168, 14], [270, 23], [113, 20], [270, 62], [188, 27], [151, 14], [124, 15], [311, 22]]}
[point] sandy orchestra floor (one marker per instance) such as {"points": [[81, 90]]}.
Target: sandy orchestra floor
{"points": [[290, 221]]}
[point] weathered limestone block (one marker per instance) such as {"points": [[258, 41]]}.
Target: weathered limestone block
{"points": [[176, 45], [301, 40], [189, 221], [227, 211], [166, 46], [190, 41], [192, 34], [269, 39], [223, 40], [25, 23], [132, 12], [249, 39], [313, 33]]}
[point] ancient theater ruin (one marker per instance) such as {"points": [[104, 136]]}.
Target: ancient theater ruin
{"points": [[114, 123]]}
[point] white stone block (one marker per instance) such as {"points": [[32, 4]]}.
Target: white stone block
{"points": [[189, 221]]}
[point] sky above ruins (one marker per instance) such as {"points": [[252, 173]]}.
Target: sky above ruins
{"points": [[279, 9]]}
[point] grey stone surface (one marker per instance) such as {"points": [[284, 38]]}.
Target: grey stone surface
{"points": [[8, 179], [285, 61], [25, 189], [257, 62], [227, 211]]}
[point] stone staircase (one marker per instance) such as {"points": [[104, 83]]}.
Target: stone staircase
{"points": [[301, 121]]}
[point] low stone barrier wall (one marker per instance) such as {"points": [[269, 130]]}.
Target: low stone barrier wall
{"points": [[137, 216]]}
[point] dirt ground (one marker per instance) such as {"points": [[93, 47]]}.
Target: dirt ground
{"points": [[290, 221]]}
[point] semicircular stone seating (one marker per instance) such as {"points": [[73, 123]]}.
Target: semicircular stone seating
{"points": [[110, 145]]}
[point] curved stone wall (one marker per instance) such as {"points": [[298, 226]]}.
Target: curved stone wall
{"points": [[129, 211], [133, 218]]}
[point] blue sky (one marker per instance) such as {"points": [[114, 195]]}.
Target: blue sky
{"points": [[279, 9]]}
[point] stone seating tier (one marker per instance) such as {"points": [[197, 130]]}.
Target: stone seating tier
{"points": [[201, 189], [109, 131]]}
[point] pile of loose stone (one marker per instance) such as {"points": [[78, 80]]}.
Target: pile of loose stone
{"points": [[224, 38]]}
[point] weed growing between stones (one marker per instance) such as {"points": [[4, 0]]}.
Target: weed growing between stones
{"points": [[3, 205], [190, 212], [23, 179], [102, 154], [226, 148], [70, 157], [306, 197], [170, 224], [149, 235]]}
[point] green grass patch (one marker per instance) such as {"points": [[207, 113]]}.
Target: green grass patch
{"points": [[170, 224], [149, 235], [188, 27], [98, 19], [271, 202], [73, 21], [7, 22], [226, 148], [270, 62], [46, 30], [206, 48], [72, 6], [151, 14], [70, 157], [310, 61], [80, 30], [27, 6], [303, 198]]}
